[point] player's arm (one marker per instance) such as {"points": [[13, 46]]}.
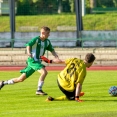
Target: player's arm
{"points": [[29, 45], [77, 93], [79, 82], [55, 54], [56, 60], [29, 51]]}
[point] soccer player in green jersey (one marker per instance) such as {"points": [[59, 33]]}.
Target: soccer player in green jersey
{"points": [[36, 47], [71, 78]]}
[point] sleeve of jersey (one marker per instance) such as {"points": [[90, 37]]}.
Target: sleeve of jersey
{"points": [[50, 47], [81, 76], [67, 61], [31, 42]]}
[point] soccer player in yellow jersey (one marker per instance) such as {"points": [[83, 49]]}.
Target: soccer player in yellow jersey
{"points": [[71, 78]]}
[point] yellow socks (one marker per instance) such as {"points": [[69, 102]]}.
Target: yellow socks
{"points": [[61, 98]]}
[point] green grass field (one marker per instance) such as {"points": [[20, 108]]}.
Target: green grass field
{"points": [[90, 21], [19, 100]]}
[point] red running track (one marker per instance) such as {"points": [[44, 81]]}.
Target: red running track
{"points": [[55, 68]]}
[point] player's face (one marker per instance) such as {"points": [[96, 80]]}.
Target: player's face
{"points": [[45, 34]]}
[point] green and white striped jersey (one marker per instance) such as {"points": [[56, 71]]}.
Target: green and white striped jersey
{"points": [[38, 47]]}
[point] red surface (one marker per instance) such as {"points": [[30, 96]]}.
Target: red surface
{"points": [[55, 68]]}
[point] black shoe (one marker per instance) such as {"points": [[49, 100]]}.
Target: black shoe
{"points": [[40, 92], [50, 99], [1, 84]]}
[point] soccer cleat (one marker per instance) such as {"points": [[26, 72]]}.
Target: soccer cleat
{"points": [[50, 99], [40, 92], [1, 84], [81, 94]]}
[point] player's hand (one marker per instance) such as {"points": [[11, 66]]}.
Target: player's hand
{"points": [[57, 60], [78, 100], [30, 55], [45, 59]]}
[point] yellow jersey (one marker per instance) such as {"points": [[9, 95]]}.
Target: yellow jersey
{"points": [[73, 73]]}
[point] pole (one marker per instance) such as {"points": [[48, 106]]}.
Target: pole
{"points": [[79, 24], [83, 7], [78, 17], [12, 20]]}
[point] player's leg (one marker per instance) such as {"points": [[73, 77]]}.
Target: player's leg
{"points": [[19, 79], [61, 98], [43, 73], [26, 72], [37, 66], [68, 95], [13, 80]]}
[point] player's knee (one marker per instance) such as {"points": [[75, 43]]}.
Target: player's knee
{"points": [[44, 72]]}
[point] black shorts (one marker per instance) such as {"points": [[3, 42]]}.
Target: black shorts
{"points": [[69, 95]]}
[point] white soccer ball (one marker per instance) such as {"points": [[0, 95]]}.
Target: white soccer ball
{"points": [[113, 91]]}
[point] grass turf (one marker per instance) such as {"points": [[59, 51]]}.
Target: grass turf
{"points": [[105, 21], [20, 99]]}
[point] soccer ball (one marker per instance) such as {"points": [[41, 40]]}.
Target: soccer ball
{"points": [[113, 91]]}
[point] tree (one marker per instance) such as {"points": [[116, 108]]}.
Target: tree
{"points": [[65, 5], [92, 5], [72, 5], [33, 7], [23, 7], [60, 7], [105, 3], [115, 3]]}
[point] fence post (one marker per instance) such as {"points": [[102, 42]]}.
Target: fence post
{"points": [[12, 20]]}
